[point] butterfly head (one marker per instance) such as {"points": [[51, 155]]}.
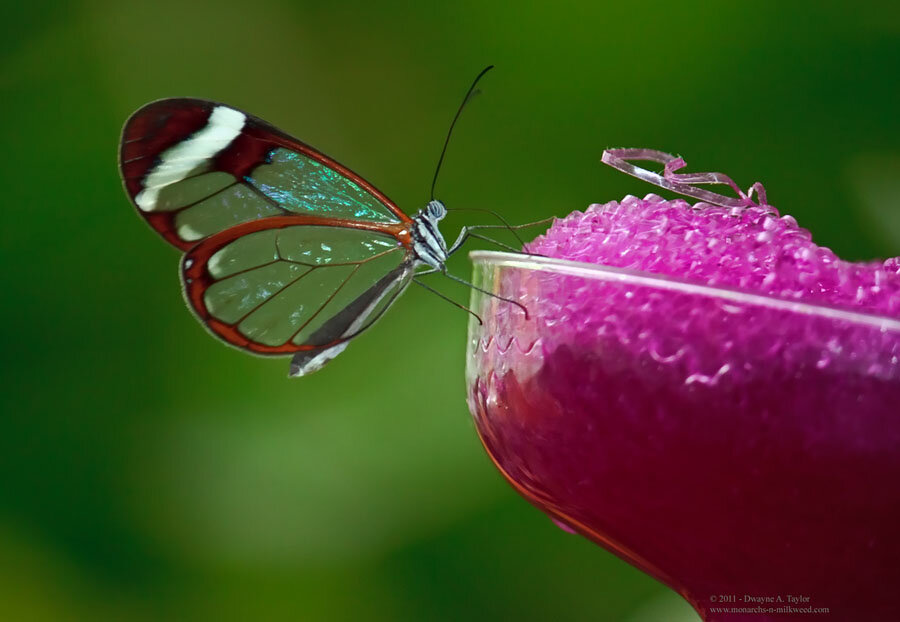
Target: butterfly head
{"points": [[435, 210]]}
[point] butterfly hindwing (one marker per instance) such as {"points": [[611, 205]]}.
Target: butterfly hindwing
{"points": [[295, 284], [194, 168]]}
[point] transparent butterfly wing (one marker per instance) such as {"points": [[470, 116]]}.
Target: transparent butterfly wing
{"points": [[292, 285], [193, 168]]}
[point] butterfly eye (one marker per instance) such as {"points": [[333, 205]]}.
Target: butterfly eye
{"points": [[435, 210]]}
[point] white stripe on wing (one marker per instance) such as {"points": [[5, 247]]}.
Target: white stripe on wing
{"points": [[179, 160]]}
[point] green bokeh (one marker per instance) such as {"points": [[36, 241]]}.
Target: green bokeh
{"points": [[148, 472]]}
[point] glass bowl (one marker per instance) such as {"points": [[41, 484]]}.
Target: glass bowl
{"points": [[740, 448]]}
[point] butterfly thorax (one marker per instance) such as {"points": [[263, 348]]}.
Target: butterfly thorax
{"points": [[429, 246]]}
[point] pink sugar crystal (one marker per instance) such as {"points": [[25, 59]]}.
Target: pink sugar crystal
{"points": [[749, 248]]}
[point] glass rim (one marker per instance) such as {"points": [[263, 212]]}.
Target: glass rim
{"points": [[671, 283]]}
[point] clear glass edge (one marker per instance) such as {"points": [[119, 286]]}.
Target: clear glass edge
{"points": [[610, 273]]}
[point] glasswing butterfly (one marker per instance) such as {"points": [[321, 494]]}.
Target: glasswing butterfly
{"points": [[286, 250]]}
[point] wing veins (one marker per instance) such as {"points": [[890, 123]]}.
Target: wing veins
{"points": [[282, 257], [343, 194], [344, 263], [312, 268], [324, 304], [368, 322], [380, 313], [328, 265], [270, 299], [265, 197], [197, 202], [251, 269]]}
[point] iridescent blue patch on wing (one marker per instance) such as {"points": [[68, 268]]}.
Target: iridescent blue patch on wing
{"points": [[301, 184]]}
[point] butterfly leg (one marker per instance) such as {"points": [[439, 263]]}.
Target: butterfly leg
{"points": [[466, 233], [496, 215], [491, 294], [448, 299], [495, 242], [466, 283]]}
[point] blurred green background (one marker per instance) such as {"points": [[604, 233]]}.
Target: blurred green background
{"points": [[148, 472]]}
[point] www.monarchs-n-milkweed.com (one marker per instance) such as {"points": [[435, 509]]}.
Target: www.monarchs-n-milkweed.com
{"points": [[287, 252]]}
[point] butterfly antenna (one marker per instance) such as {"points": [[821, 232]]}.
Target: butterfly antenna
{"points": [[465, 100]]}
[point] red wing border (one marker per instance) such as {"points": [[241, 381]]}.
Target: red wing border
{"points": [[162, 124], [340, 328]]}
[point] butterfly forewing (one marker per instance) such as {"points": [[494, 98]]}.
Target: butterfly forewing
{"points": [[302, 184], [194, 168]]}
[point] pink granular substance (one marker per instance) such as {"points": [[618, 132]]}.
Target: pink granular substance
{"points": [[752, 248], [725, 445]]}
